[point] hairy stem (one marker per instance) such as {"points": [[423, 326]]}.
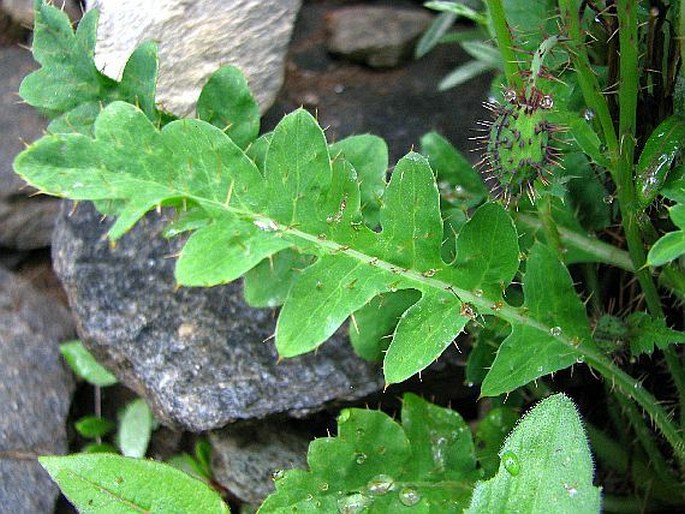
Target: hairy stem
{"points": [[505, 43], [549, 226]]}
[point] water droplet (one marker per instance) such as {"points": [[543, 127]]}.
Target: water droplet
{"points": [[608, 199], [360, 458], [345, 415], [353, 504], [478, 292], [409, 496], [380, 485], [438, 452], [470, 384], [555, 331], [359, 431], [309, 498], [323, 486], [511, 463], [278, 474], [547, 102], [588, 114], [572, 491], [510, 95]]}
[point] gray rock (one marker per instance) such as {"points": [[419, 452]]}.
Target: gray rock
{"points": [[195, 38], [201, 357], [35, 393], [382, 37], [25, 222], [246, 455]]}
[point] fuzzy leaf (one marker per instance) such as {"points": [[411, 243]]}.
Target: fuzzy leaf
{"points": [[227, 103], [375, 463], [545, 466], [82, 362], [529, 353], [102, 482]]}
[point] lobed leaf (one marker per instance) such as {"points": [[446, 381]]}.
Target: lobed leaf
{"points": [[530, 352], [374, 463], [105, 483], [304, 199], [545, 466]]}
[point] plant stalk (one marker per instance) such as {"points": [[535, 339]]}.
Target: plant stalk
{"points": [[505, 43]]}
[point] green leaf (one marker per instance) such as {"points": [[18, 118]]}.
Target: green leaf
{"points": [[379, 465], [94, 426], [667, 248], [135, 428], [372, 326], [490, 435], [369, 156], [457, 8], [677, 215], [226, 102], [305, 200], [268, 283], [484, 52], [463, 74], [588, 141], [99, 448], [546, 466], [529, 353], [105, 483], [465, 184], [644, 332], [82, 362], [661, 148], [68, 82], [431, 37]]}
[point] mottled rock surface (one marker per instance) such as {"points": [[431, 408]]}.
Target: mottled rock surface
{"points": [[382, 37], [35, 393], [195, 38], [246, 455], [25, 222], [200, 356]]}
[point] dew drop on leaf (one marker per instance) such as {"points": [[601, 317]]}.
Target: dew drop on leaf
{"points": [[323, 486], [353, 504], [277, 475], [588, 114], [511, 463], [380, 485], [409, 496], [360, 458], [555, 331], [478, 292]]}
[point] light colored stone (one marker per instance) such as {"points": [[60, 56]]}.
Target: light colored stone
{"points": [[195, 37]]}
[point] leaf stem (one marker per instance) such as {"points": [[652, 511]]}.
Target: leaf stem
{"points": [[549, 226], [505, 43]]}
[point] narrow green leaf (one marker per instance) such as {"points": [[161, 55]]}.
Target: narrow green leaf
{"points": [[94, 426], [227, 103], [99, 483], [529, 353], [135, 428], [546, 466], [588, 141], [661, 148], [463, 74], [483, 52], [457, 8], [431, 37], [376, 465], [667, 248], [82, 362]]}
